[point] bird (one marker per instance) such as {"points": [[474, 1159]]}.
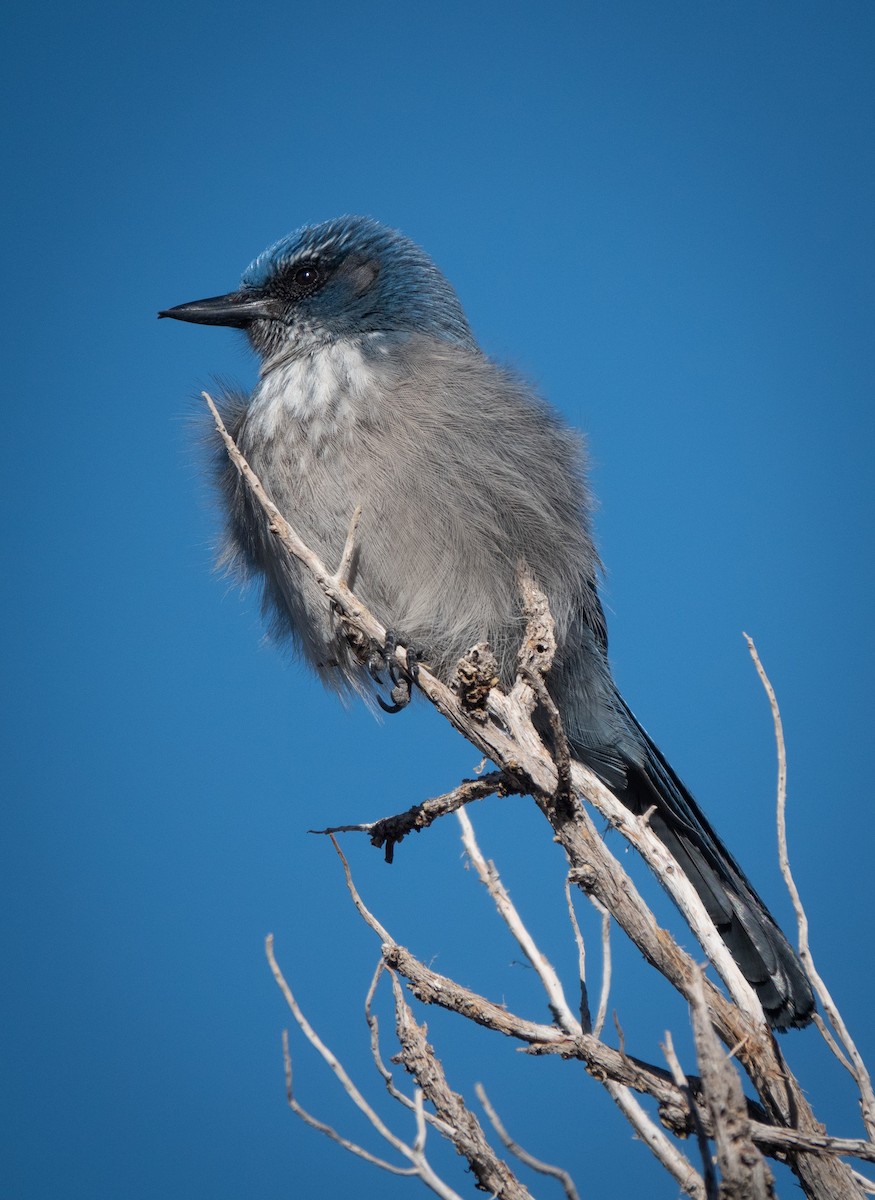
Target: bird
{"points": [[373, 392]]}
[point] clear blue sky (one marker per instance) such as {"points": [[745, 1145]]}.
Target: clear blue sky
{"points": [[664, 213]]}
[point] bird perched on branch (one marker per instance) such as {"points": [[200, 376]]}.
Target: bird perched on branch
{"points": [[373, 392]]}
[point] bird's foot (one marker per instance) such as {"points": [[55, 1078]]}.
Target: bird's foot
{"points": [[402, 675]]}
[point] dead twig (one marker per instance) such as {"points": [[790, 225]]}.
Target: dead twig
{"points": [[523, 1155], [389, 831], [856, 1065], [550, 981], [493, 1175], [743, 1172], [415, 1153]]}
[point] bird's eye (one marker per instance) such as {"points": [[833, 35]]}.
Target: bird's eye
{"points": [[306, 276]]}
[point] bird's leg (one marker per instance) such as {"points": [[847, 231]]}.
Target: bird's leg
{"points": [[376, 658], [403, 676]]}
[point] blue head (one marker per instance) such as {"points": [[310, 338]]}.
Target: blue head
{"points": [[341, 279]]}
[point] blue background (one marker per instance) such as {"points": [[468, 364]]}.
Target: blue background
{"points": [[664, 213]]}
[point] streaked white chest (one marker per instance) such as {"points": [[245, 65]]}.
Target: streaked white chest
{"points": [[322, 392]]}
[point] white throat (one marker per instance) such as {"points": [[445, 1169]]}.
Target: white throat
{"points": [[323, 389]]}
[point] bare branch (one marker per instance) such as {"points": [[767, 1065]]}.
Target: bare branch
{"points": [[775, 1141], [663, 1149], [421, 1131], [856, 1066], [329, 1130], [364, 911], [383, 1070], [349, 547], [602, 1062], [374, 1027], [743, 1173], [507, 910], [391, 830], [561, 749], [491, 1172], [415, 1153], [523, 1155], [327, 1056], [585, 1016], [709, 1176], [606, 966], [824, 1031]]}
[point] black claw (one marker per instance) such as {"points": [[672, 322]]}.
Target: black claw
{"points": [[403, 676], [410, 670]]}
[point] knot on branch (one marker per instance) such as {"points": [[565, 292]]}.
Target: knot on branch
{"points": [[676, 1119], [585, 877], [362, 645], [476, 676]]}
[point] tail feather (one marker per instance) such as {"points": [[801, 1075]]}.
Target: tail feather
{"points": [[751, 934]]}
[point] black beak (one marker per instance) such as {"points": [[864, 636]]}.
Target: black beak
{"points": [[237, 309]]}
